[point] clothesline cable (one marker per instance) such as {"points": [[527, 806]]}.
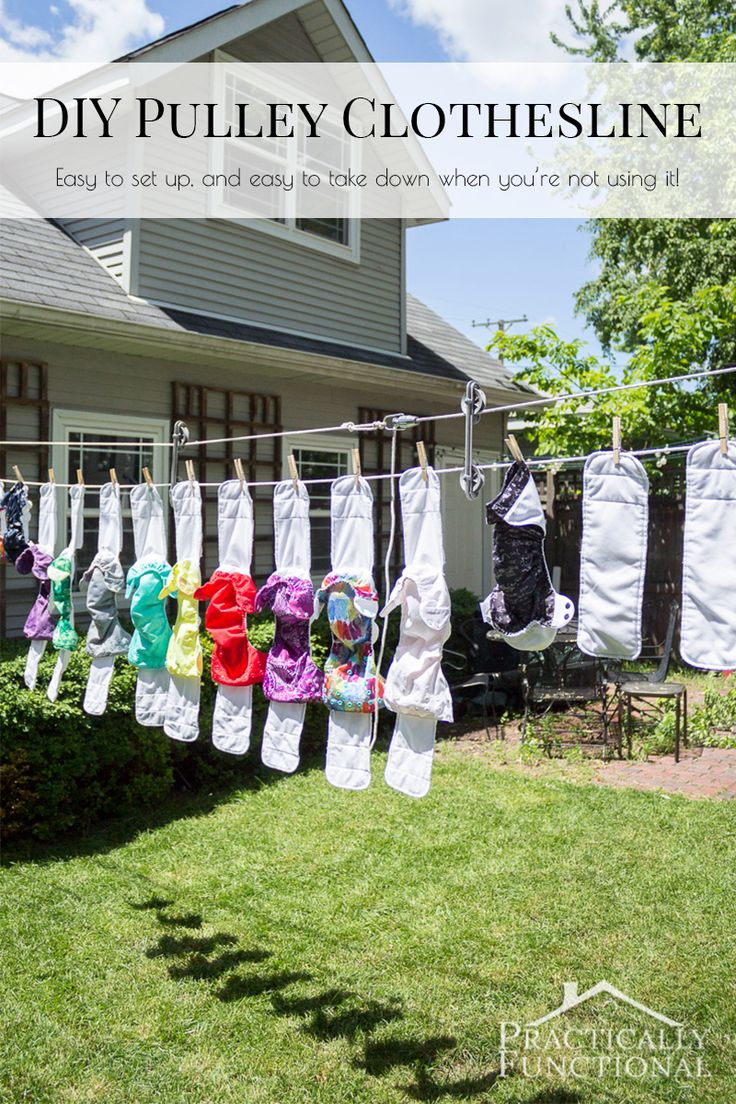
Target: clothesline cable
{"points": [[402, 421], [386, 586], [571, 396], [350, 427], [552, 463]]}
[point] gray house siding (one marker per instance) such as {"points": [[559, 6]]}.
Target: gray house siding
{"points": [[234, 271], [216, 267]]}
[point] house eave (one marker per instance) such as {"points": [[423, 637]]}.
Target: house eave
{"points": [[43, 323], [221, 27]]}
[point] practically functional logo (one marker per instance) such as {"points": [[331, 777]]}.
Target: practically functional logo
{"points": [[614, 1036]]}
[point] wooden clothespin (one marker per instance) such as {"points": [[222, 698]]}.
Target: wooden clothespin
{"points": [[617, 440], [293, 471], [17, 473], [723, 427], [356, 465], [52, 475], [147, 477], [422, 454], [113, 476], [513, 446], [238, 465], [189, 465], [80, 477]]}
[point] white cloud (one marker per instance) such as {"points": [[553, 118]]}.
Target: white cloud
{"points": [[99, 30], [492, 30]]}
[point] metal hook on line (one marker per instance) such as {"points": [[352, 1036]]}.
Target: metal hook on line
{"points": [[179, 438], [471, 405], [401, 421]]}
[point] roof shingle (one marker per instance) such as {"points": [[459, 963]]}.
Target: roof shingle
{"points": [[42, 264]]}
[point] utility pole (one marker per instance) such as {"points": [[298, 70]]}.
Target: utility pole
{"points": [[501, 324]]}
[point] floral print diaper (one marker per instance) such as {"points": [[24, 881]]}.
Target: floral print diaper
{"points": [[350, 670]]}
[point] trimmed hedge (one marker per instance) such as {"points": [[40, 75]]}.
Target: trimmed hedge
{"points": [[63, 770]]}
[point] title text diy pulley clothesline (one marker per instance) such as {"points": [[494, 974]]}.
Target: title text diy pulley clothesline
{"points": [[523, 605]]}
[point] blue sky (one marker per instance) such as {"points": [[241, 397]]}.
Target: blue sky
{"points": [[464, 269]]}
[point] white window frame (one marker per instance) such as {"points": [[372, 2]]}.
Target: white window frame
{"points": [[65, 422], [288, 230], [315, 443]]}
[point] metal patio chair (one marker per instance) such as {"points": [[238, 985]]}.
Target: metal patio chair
{"points": [[494, 677], [649, 693], [562, 677]]}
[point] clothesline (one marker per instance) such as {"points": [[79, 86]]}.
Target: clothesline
{"points": [[546, 463], [387, 422], [613, 389]]}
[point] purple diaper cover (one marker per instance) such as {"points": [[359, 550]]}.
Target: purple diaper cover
{"points": [[40, 621], [291, 675]]}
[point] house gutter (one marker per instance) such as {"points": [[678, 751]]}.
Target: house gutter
{"points": [[169, 343]]}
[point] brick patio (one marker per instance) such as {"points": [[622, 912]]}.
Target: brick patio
{"points": [[706, 772]]}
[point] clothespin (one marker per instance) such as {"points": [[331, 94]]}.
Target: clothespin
{"points": [[189, 465], [356, 465], [617, 441], [723, 427], [422, 454], [513, 446], [293, 471], [17, 473], [113, 476], [147, 477], [52, 475], [238, 465], [80, 477]]}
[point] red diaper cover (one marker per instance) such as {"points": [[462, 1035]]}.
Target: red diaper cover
{"points": [[235, 662]]}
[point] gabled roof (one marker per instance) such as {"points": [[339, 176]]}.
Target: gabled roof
{"points": [[43, 266], [216, 30], [436, 333], [134, 55]]}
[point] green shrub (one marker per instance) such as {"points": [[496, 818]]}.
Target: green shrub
{"points": [[659, 739], [713, 724], [63, 769]]}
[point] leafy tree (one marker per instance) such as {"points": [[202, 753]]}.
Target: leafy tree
{"points": [[658, 30], [683, 256], [673, 337]]}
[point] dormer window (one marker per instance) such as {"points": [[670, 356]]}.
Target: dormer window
{"points": [[337, 234]]}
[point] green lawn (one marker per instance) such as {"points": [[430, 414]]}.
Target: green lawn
{"points": [[292, 943]]}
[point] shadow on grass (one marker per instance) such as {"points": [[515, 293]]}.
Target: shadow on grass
{"points": [[426, 1088], [202, 968], [189, 920], [422, 1055], [237, 987], [334, 1013], [152, 903], [172, 946], [387, 1054], [359, 1019]]}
